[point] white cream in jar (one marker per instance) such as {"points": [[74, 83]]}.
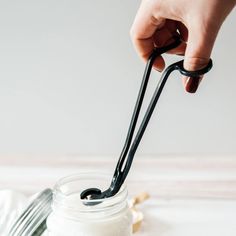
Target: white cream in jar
{"points": [[71, 217]]}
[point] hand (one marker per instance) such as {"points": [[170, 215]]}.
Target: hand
{"points": [[197, 22]]}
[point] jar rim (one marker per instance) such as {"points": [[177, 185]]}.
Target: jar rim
{"points": [[59, 194]]}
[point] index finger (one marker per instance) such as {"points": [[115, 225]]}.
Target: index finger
{"points": [[142, 31]]}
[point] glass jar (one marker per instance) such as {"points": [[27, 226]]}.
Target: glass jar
{"points": [[70, 216]]}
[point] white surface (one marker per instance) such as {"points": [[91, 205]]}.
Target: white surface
{"points": [[162, 177], [189, 195], [163, 218], [195, 218], [69, 79]]}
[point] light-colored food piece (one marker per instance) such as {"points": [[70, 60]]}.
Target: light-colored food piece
{"points": [[137, 214]]}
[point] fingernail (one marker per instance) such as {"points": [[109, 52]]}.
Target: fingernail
{"points": [[192, 84]]}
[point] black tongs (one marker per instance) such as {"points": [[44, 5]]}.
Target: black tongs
{"points": [[129, 149]]}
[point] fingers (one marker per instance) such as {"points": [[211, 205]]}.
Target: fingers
{"points": [[198, 30], [142, 31], [197, 55], [149, 31]]}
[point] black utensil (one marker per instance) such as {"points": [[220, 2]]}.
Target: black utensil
{"points": [[129, 149]]}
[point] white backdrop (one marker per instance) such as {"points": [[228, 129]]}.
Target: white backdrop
{"points": [[69, 77]]}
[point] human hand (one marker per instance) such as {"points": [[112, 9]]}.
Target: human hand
{"points": [[197, 22]]}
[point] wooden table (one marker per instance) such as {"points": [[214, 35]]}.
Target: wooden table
{"points": [[189, 195]]}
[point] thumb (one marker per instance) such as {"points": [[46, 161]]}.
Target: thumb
{"points": [[197, 55]]}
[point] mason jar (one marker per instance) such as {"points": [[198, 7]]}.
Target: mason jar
{"points": [[72, 216]]}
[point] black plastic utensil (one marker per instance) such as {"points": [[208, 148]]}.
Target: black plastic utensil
{"points": [[129, 149]]}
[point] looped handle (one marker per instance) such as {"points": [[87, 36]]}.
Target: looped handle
{"points": [[194, 74]]}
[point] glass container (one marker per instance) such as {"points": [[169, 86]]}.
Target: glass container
{"points": [[72, 216]]}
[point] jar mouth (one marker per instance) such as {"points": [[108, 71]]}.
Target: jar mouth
{"points": [[66, 194]]}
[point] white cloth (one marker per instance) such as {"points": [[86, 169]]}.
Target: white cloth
{"points": [[12, 204]]}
